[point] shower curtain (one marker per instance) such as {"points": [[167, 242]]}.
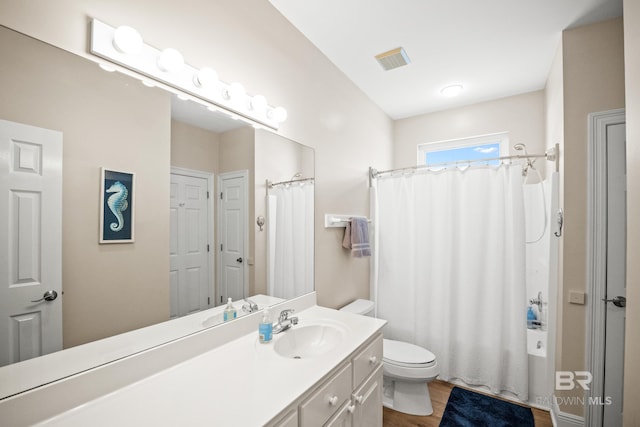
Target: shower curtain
{"points": [[290, 240], [451, 271]]}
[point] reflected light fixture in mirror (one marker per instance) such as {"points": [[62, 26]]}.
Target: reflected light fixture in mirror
{"points": [[125, 47]]}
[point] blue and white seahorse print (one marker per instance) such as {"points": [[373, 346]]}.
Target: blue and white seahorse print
{"points": [[117, 202]]}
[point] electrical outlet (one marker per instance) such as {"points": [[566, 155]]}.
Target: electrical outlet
{"points": [[576, 297]]}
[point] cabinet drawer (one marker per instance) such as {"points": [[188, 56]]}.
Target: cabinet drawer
{"points": [[322, 404], [365, 362]]}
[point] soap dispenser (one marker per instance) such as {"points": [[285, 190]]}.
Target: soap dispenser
{"points": [[265, 329], [531, 318], [229, 311]]}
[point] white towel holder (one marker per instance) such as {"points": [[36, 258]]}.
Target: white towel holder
{"points": [[336, 220]]}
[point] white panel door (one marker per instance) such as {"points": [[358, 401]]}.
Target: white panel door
{"points": [[616, 272], [190, 276], [233, 234], [30, 242]]}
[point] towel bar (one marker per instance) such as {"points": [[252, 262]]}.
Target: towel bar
{"points": [[336, 221]]}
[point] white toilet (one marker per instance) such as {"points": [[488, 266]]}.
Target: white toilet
{"points": [[406, 369]]}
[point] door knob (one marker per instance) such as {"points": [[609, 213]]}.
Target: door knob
{"points": [[239, 260], [617, 301], [48, 296]]}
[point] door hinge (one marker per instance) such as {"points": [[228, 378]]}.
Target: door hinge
{"points": [[208, 249], [207, 194], [220, 247], [220, 299], [208, 300], [221, 195]]}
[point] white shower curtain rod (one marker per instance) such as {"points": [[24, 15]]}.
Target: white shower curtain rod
{"points": [[550, 155], [273, 184]]}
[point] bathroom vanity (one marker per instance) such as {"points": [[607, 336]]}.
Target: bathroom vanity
{"points": [[326, 370]]}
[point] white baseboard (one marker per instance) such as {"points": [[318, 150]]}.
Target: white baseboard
{"points": [[564, 419]]}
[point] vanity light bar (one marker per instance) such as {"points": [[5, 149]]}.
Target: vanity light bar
{"points": [[168, 66]]}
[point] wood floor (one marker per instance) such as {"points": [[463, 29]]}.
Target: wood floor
{"points": [[440, 391]]}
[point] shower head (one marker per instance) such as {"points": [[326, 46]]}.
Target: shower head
{"points": [[521, 147]]}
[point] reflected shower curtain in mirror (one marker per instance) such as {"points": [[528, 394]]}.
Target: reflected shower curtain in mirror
{"points": [[451, 271], [290, 240]]}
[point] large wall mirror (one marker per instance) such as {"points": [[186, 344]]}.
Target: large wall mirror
{"points": [[222, 209]]}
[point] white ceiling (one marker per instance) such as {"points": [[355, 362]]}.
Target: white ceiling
{"points": [[494, 48]]}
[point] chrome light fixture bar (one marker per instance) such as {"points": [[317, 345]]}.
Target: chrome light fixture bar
{"points": [[124, 46]]}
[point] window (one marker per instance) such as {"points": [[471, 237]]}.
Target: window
{"points": [[473, 148]]}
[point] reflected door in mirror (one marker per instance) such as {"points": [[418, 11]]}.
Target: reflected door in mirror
{"points": [[233, 235], [189, 265], [31, 232]]}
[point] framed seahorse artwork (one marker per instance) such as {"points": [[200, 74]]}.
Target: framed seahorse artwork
{"points": [[117, 208]]}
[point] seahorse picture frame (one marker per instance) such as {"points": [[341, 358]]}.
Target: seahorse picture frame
{"points": [[117, 207]]}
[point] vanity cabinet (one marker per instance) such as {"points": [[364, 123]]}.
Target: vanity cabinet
{"points": [[351, 396]]}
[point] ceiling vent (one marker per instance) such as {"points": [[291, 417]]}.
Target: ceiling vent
{"points": [[393, 59]]}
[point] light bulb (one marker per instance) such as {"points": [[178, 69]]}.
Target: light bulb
{"points": [[258, 103], [170, 60], [205, 78], [279, 114], [235, 91], [127, 40]]}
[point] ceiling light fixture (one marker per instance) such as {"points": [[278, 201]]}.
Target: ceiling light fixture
{"points": [[451, 90]]}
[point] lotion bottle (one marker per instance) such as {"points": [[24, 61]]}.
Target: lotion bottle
{"points": [[229, 311], [265, 329]]}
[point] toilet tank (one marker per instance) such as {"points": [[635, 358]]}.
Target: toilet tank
{"points": [[359, 306]]}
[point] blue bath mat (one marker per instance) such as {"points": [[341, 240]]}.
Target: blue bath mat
{"points": [[469, 409]]}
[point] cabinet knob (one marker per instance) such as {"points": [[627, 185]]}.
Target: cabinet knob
{"points": [[359, 398], [373, 359], [351, 408], [333, 400]]}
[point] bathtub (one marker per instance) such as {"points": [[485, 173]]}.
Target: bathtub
{"points": [[538, 368]]}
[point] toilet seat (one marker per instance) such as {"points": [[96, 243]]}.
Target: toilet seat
{"points": [[404, 354]]}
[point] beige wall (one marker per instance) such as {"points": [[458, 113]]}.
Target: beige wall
{"points": [[251, 42], [110, 288], [593, 67], [521, 115], [632, 339], [276, 159], [194, 148]]}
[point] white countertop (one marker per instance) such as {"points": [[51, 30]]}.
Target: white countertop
{"points": [[241, 383], [32, 373]]}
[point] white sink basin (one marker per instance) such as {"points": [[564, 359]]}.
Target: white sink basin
{"points": [[304, 342]]}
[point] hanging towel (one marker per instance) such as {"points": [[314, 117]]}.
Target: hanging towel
{"points": [[356, 237]]}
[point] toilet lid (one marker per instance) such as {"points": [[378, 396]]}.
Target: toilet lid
{"points": [[404, 353]]}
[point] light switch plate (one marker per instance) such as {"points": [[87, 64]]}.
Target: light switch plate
{"points": [[576, 297]]}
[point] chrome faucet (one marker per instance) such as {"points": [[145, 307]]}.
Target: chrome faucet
{"points": [[284, 321], [537, 301], [250, 306]]}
